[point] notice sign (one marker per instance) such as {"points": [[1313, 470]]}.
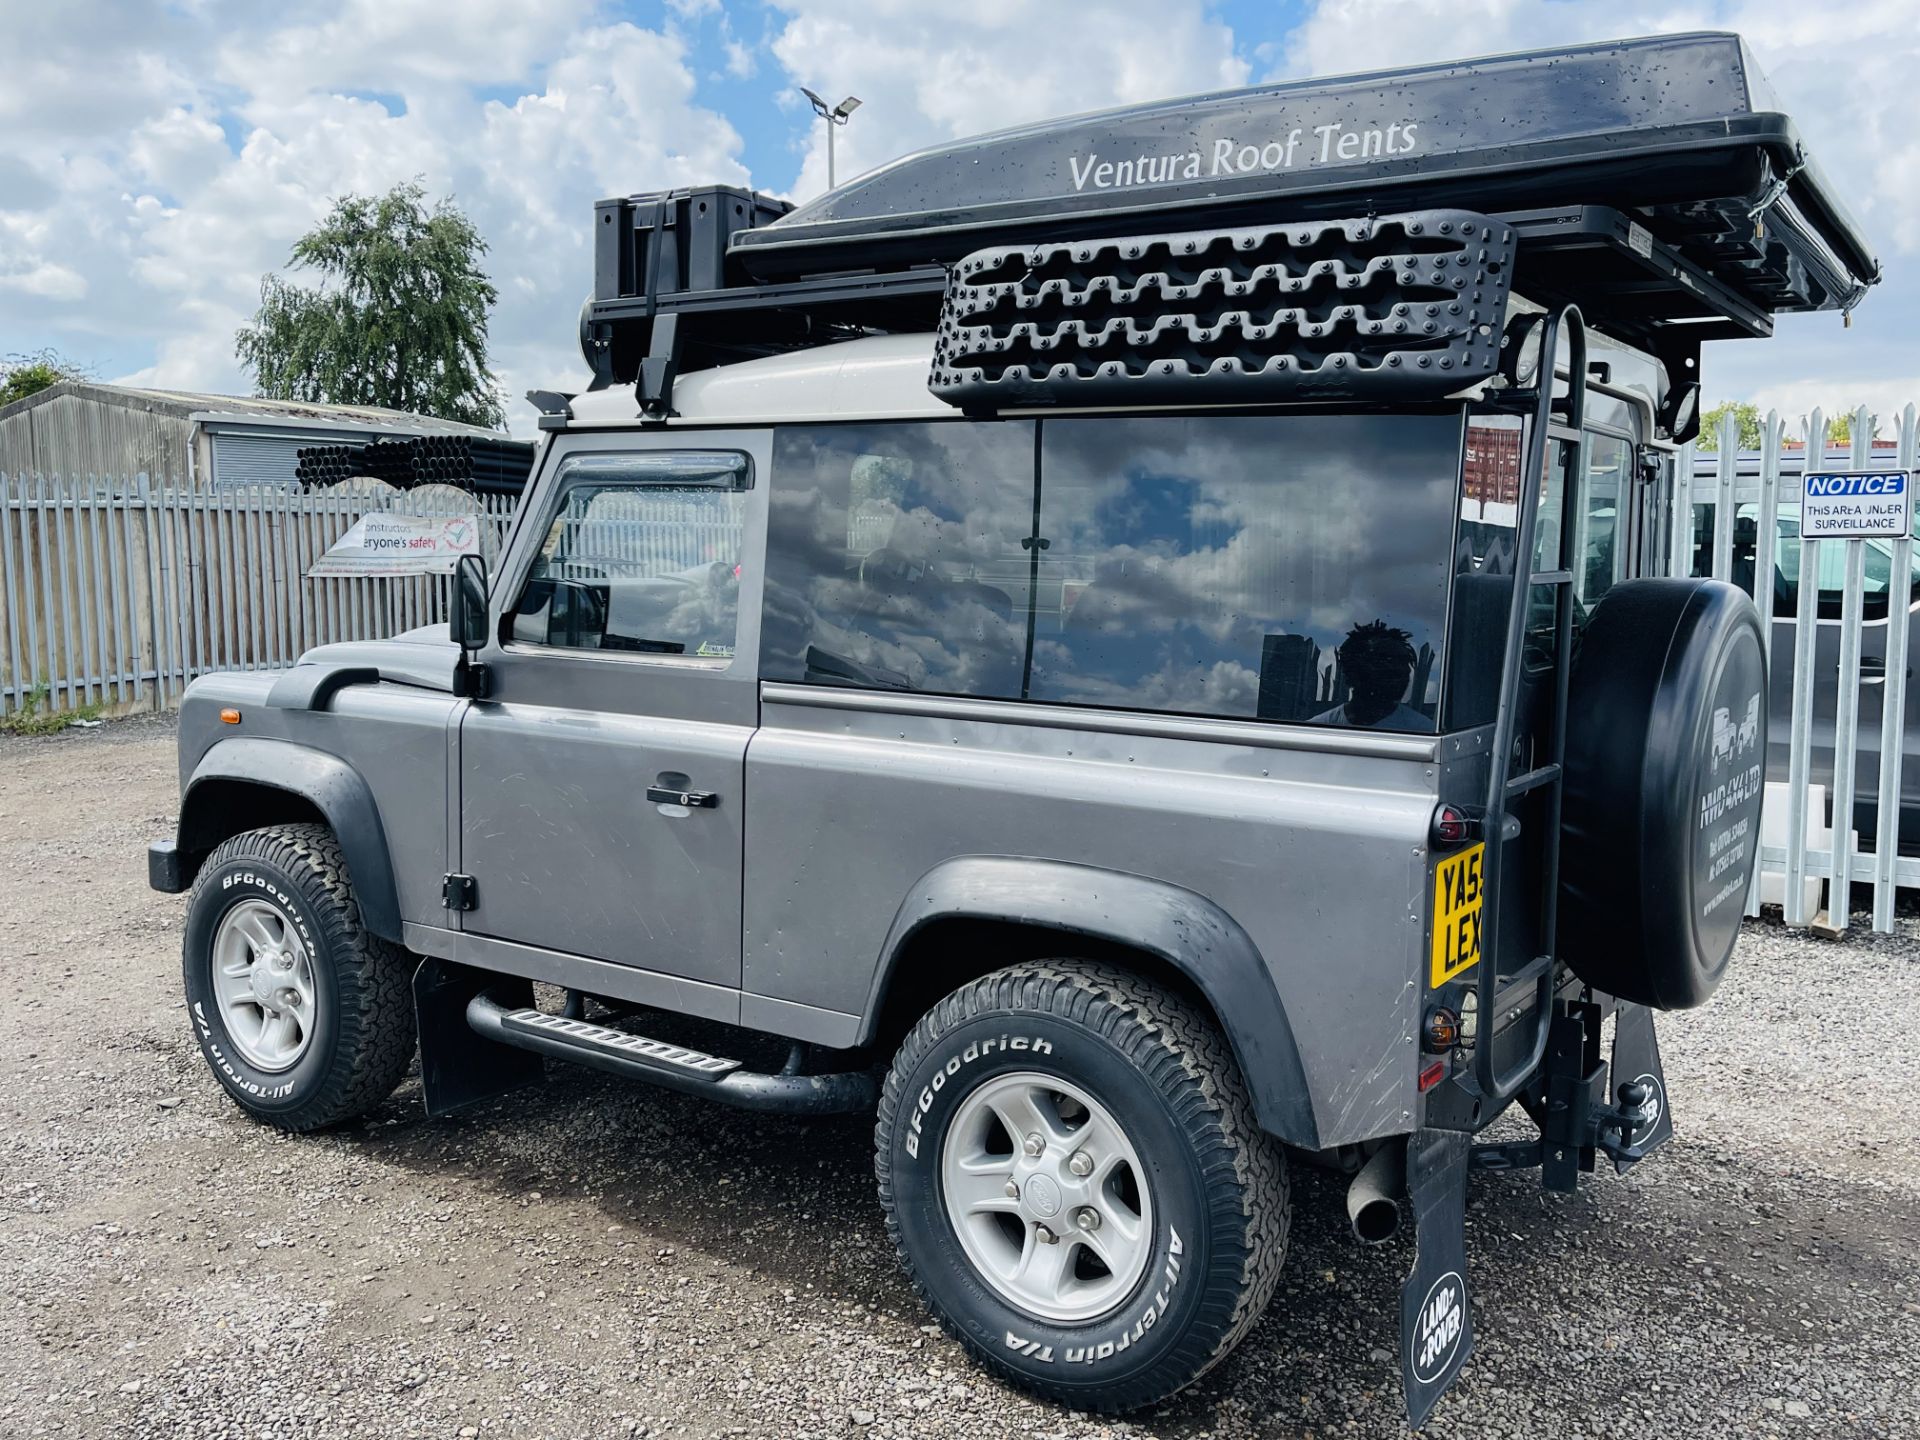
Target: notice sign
{"points": [[1851, 504], [382, 544]]}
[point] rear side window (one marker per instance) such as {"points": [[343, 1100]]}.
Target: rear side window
{"points": [[1260, 567], [1280, 568], [1600, 547]]}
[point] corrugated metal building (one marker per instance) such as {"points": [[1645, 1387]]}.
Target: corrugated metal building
{"points": [[77, 429]]}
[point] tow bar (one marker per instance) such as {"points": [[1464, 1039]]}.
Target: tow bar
{"points": [[1577, 1123]]}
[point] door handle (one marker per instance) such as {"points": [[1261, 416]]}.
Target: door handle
{"points": [[1873, 669], [692, 799]]}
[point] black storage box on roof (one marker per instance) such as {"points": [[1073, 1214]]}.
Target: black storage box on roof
{"points": [[1683, 129], [1652, 182]]}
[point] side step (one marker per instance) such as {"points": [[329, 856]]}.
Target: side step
{"points": [[674, 1067], [639, 1048]]}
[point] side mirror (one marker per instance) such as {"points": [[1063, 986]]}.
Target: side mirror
{"points": [[467, 605]]}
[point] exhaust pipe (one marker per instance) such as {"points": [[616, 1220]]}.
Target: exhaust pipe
{"points": [[1373, 1199]]}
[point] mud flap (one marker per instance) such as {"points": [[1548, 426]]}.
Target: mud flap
{"points": [[459, 1068], [1436, 1310], [1636, 1057]]}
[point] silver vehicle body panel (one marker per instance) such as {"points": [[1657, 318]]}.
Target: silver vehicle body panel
{"points": [[1282, 868], [1320, 858], [393, 736]]}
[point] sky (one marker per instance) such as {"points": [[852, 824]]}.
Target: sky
{"points": [[156, 159]]}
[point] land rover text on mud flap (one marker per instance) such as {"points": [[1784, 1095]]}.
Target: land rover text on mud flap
{"points": [[1145, 661]]}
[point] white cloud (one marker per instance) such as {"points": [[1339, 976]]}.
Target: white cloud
{"points": [[1885, 397], [157, 227], [935, 70], [400, 45], [137, 216], [741, 62], [52, 282]]}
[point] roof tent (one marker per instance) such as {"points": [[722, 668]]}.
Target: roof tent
{"points": [[1653, 182]]}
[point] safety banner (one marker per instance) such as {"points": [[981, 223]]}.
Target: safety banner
{"points": [[382, 544]]}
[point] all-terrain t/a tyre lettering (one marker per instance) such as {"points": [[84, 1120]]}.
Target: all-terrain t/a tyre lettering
{"points": [[1111, 1106], [304, 1016]]}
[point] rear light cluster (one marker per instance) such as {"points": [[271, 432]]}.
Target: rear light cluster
{"points": [[1441, 1031], [1452, 825]]}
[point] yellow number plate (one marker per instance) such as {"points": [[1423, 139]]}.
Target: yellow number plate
{"points": [[1457, 893]]}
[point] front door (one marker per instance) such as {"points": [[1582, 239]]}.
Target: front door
{"points": [[602, 775]]}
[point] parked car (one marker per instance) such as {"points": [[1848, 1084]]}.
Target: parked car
{"points": [[1883, 602], [1076, 634]]}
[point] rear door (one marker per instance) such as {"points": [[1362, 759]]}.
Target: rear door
{"points": [[603, 774]]}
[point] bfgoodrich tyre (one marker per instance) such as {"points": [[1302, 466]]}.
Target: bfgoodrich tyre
{"points": [[304, 1017], [1072, 1174]]}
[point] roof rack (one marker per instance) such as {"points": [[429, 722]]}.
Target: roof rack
{"points": [[1652, 182]]}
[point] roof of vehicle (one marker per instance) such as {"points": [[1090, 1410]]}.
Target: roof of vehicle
{"points": [[878, 377]]}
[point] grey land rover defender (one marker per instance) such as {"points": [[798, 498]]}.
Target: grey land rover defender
{"points": [[1087, 634]]}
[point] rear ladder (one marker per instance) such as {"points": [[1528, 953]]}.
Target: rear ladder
{"points": [[1553, 421]]}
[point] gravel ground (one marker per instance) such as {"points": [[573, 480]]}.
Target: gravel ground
{"points": [[597, 1259]]}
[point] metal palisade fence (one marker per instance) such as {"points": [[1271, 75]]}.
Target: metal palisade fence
{"points": [[114, 594], [1834, 735]]}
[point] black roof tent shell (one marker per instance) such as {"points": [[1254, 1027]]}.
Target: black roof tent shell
{"points": [[1682, 131]]}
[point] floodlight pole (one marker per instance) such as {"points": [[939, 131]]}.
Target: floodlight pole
{"points": [[834, 115]]}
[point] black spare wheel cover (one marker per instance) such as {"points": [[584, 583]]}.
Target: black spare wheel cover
{"points": [[1666, 755]]}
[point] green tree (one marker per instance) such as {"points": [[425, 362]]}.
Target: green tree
{"points": [[1747, 417], [398, 319], [1840, 427], [24, 375]]}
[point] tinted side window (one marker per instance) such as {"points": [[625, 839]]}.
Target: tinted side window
{"points": [[1278, 568], [1876, 568], [642, 553], [898, 557], [1485, 557], [1262, 567]]}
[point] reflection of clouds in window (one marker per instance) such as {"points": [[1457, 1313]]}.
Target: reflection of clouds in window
{"points": [[1224, 687], [887, 543], [1206, 565], [1303, 525]]}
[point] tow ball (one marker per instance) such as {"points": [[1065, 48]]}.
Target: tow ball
{"points": [[1578, 1119]]}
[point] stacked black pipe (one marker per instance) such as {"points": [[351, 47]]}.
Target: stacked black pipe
{"points": [[470, 462], [317, 466]]}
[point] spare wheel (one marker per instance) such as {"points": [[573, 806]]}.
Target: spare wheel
{"points": [[1666, 755]]}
